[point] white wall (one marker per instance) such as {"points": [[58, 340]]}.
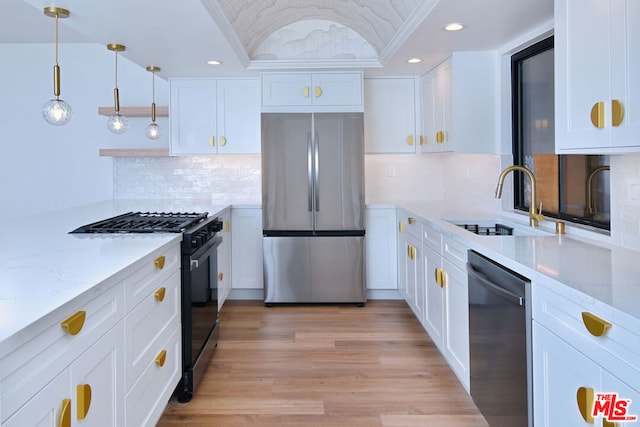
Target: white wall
{"points": [[44, 167]]}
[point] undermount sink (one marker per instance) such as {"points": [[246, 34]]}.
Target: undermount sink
{"points": [[496, 227]]}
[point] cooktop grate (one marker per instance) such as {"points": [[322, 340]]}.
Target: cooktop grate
{"points": [[144, 222]]}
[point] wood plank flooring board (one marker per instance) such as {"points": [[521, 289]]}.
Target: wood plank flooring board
{"points": [[325, 365]]}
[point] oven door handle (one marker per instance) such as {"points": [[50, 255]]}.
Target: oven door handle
{"points": [[492, 287], [201, 255]]}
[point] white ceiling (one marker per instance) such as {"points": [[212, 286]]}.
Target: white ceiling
{"points": [[249, 36]]}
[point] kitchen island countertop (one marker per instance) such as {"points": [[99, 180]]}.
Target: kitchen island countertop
{"points": [[42, 267]]}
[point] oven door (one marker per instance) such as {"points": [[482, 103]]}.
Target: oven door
{"points": [[199, 313]]}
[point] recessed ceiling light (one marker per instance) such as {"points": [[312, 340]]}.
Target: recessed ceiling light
{"points": [[214, 62], [454, 26], [414, 60]]}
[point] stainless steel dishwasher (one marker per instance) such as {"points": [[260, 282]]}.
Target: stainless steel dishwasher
{"points": [[500, 342]]}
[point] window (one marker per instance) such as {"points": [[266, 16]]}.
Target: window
{"points": [[572, 188]]}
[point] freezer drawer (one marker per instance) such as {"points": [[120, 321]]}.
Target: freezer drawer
{"points": [[314, 269]]}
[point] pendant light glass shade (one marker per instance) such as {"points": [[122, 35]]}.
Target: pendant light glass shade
{"points": [[117, 123], [56, 111], [153, 130]]}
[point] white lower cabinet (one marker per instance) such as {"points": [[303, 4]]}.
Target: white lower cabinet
{"points": [[224, 259], [74, 366], [575, 359], [381, 249], [446, 317], [246, 248]]}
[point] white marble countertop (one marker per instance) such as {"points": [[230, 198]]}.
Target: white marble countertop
{"points": [[603, 273], [43, 267]]}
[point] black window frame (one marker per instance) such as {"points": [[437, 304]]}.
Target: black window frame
{"points": [[519, 198]]}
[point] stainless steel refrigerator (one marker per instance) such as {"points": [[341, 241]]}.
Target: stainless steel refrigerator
{"points": [[313, 212]]}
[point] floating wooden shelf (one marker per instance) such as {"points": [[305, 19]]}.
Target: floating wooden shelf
{"points": [[134, 152], [161, 111]]}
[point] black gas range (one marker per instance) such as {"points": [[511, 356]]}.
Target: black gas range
{"points": [[199, 271]]}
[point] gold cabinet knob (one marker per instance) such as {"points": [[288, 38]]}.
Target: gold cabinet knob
{"points": [[65, 413], [161, 358], [401, 226], [410, 140], [305, 92], [211, 140], [585, 396], [318, 92], [160, 293], [597, 115], [411, 220], [74, 323], [617, 112], [421, 139], [223, 141], [595, 325], [159, 262], [440, 137], [220, 276], [83, 391]]}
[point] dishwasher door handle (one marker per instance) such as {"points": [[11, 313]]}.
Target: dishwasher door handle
{"points": [[492, 287]]}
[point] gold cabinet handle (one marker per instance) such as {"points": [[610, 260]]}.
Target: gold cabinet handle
{"points": [[211, 140], [401, 226], [74, 323], [584, 396], [227, 226], [595, 325], [617, 112], [410, 140], [160, 293], [440, 137], [412, 252], [305, 92], [437, 275], [220, 277], [65, 413], [83, 391], [421, 139], [159, 262], [597, 115], [161, 357], [223, 141], [411, 220], [443, 279], [318, 92]]}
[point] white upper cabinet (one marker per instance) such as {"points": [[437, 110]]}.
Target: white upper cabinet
{"points": [[215, 116], [460, 105], [597, 64], [390, 115], [305, 92]]}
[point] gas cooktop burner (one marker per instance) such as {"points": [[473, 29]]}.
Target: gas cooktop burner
{"points": [[494, 230], [144, 222]]}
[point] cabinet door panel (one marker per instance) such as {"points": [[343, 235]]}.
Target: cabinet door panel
{"points": [[434, 295], [286, 89], [238, 116], [381, 249], [558, 371], [456, 340], [193, 117], [101, 367], [337, 89]]}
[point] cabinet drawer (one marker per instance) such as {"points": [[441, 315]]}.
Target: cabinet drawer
{"points": [[617, 350], [432, 238], [455, 253], [147, 399], [148, 325], [156, 268], [408, 223], [43, 349]]}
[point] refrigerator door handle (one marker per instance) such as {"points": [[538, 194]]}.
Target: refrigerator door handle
{"points": [[310, 171], [317, 171]]}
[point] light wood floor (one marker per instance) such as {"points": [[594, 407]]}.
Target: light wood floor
{"points": [[342, 365]]}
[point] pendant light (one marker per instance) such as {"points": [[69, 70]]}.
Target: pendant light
{"points": [[56, 111], [153, 130], [117, 123]]}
